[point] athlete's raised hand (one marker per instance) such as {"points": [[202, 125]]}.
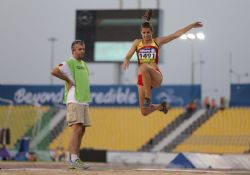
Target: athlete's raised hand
{"points": [[197, 24]]}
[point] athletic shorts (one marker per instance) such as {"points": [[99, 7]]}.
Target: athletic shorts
{"points": [[78, 113], [139, 78]]}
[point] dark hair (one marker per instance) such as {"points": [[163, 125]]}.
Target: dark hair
{"points": [[146, 17], [76, 42]]}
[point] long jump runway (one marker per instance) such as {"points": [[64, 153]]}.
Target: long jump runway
{"points": [[43, 168]]}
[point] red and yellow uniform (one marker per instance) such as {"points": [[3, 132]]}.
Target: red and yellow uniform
{"points": [[147, 54]]}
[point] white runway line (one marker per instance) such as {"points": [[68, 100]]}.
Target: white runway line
{"points": [[141, 169], [197, 171], [31, 169]]}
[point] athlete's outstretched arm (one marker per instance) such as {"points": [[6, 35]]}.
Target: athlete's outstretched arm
{"points": [[130, 53], [178, 33]]}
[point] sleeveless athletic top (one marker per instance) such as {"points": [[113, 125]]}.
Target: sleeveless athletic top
{"points": [[147, 54]]}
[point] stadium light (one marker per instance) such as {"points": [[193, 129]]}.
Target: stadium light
{"points": [[183, 37], [200, 36], [52, 40], [192, 37], [239, 76], [232, 72]]}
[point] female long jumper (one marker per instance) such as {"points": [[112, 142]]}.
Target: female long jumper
{"points": [[147, 49]]}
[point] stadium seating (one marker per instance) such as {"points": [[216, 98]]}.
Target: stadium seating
{"points": [[226, 132], [126, 129], [120, 128], [19, 119]]}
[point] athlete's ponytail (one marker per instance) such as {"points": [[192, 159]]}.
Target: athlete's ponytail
{"points": [[146, 17]]}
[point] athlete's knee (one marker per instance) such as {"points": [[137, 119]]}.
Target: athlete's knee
{"points": [[156, 85]]}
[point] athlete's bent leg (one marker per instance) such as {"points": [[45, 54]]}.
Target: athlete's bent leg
{"points": [[152, 108], [151, 78]]}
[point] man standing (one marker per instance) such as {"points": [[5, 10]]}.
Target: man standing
{"points": [[75, 73]]}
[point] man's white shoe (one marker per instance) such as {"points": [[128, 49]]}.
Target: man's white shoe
{"points": [[78, 164], [70, 164]]}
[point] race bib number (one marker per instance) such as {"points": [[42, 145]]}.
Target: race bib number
{"points": [[147, 55]]}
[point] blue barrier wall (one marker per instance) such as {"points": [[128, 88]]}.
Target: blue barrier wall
{"points": [[113, 95], [240, 95]]}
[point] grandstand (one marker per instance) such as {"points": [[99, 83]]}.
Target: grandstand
{"points": [[20, 120], [227, 131], [120, 129], [224, 131]]}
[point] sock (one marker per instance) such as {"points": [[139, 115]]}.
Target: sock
{"points": [[67, 156], [73, 157]]}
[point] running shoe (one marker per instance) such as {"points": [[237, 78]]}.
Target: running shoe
{"points": [[77, 164], [164, 107]]}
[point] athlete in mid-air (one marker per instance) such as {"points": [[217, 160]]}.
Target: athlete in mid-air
{"points": [[149, 74]]}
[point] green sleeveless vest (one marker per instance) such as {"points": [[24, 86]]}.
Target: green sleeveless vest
{"points": [[80, 73]]}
